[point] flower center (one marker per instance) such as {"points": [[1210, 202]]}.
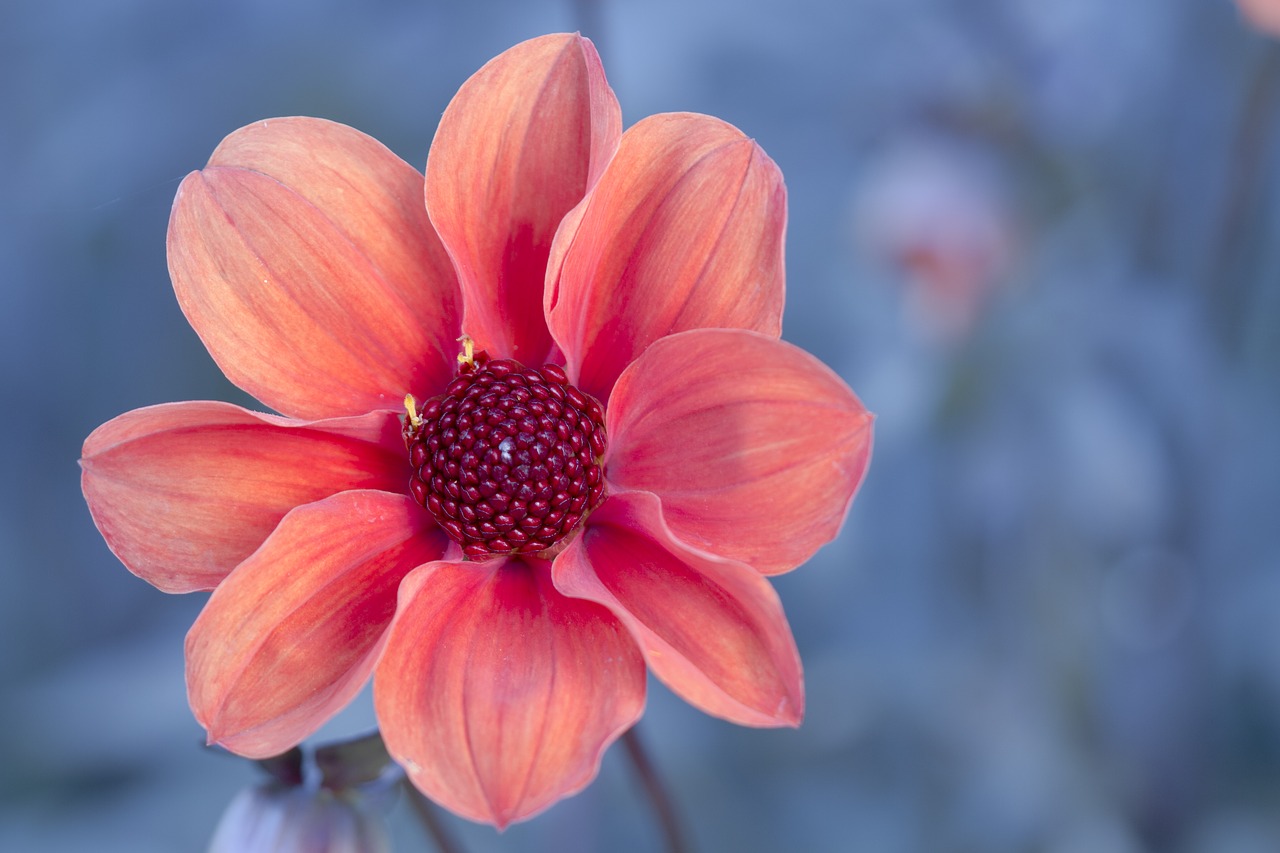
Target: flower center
{"points": [[507, 459]]}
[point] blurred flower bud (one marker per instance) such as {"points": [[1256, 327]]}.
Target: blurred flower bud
{"points": [[942, 219], [300, 819], [1263, 15]]}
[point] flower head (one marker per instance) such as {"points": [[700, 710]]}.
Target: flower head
{"points": [[612, 451]]}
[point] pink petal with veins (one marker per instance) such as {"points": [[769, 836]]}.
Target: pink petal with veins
{"points": [[684, 230], [183, 492], [497, 694], [292, 634], [754, 447], [304, 259], [519, 145], [712, 629]]}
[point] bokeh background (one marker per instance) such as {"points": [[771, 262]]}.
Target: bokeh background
{"points": [[1039, 239]]}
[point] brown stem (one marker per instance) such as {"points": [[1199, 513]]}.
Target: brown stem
{"points": [[426, 813], [653, 787], [1249, 149]]}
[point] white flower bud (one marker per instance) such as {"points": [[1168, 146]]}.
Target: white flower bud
{"points": [[275, 819]]}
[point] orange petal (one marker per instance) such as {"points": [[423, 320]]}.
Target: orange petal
{"points": [[683, 231], [304, 259], [712, 629], [754, 446], [497, 694], [292, 634], [519, 145], [183, 492]]}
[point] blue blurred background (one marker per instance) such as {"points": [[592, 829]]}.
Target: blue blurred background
{"points": [[1038, 238]]}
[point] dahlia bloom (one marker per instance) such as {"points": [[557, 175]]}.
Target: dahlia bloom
{"points": [[533, 435]]}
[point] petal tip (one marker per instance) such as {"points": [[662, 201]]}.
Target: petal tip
{"points": [[791, 712]]}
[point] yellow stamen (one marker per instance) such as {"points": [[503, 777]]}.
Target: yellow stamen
{"points": [[411, 406], [468, 347]]}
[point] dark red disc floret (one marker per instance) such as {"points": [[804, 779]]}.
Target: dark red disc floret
{"points": [[507, 459]]}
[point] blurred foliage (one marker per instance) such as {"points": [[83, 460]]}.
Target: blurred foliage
{"points": [[1038, 239]]}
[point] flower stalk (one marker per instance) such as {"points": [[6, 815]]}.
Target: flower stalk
{"points": [[663, 809], [429, 818]]}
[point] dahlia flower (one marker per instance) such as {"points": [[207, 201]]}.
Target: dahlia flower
{"points": [[534, 434]]}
